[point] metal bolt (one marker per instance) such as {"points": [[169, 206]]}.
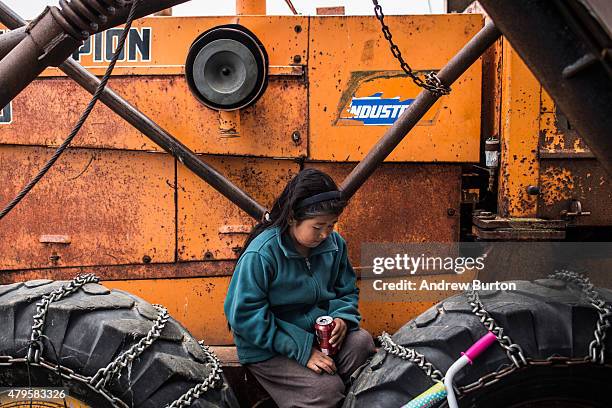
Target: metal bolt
{"points": [[533, 190], [208, 255], [54, 258], [298, 28], [450, 212], [297, 59], [146, 259], [296, 137]]}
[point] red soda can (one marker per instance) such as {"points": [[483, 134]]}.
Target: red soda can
{"points": [[323, 328]]}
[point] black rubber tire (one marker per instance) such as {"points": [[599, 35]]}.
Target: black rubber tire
{"points": [[89, 329], [545, 317]]}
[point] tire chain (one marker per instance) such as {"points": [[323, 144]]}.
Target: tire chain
{"points": [[35, 347], [123, 360], [431, 83], [595, 347], [98, 382], [604, 311], [513, 350], [211, 381], [411, 355]]}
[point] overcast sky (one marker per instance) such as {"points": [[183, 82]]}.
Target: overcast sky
{"points": [[29, 9]]}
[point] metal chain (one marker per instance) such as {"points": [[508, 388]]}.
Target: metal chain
{"points": [[513, 350], [604, 311], [104, 375], [35, 346], [411, 355], [432, 83], [211, 381]]}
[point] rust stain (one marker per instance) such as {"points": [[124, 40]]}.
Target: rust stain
{"points": [[557, 185], [413, 208], [116, 207]]}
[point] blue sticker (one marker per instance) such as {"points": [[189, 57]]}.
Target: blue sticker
{"points": [[376, 110]]}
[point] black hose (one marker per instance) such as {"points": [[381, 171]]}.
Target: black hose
{"points": [[81, 120]]}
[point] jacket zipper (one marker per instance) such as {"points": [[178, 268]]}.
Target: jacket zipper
{"points": [[316, 284]]}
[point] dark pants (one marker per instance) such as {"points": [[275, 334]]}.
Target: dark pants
{"points": [[293, 385]]}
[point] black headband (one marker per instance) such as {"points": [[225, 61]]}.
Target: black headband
{"points": [[317, 198]]}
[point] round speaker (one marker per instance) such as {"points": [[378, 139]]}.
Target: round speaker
{"points": [[227, 68]]}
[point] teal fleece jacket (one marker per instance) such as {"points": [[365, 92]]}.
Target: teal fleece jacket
{"points": [[276, 294]]}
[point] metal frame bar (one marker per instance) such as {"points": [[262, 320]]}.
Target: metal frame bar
{"points": [[424, 101], [148, 127], [358, 176]]}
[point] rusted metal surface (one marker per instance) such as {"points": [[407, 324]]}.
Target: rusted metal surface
{"points": [[488, 221], [564, 181], [400, 203], [554, 38], [9, 39], [46, 44], [210, 227], [250, 7], [518, 234], [123, 272], [447, 75], [519, 138], [196, 303], [116, 207], [349, 58]]}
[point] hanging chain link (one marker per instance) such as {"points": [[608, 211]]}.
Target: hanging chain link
{"points": [[411, 355], [104, 375], [211, 381], [604, 311], [432, 83], [513, 350], [35, 347]]}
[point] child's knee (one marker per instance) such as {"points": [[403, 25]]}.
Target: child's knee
{"points": [[362, 341], [329, 389]]}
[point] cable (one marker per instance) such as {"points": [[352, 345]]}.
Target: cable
{"points": [[81, 120]]}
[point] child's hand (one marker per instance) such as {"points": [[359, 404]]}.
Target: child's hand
{"points": [[339, 333], [319, 362]]}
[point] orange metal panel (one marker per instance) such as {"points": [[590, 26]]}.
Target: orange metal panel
{"points": [[196, 303], [209, 226], [94, 207], [284, 37], [519, 137], [46, 111], [349, 57], [400, 203]]}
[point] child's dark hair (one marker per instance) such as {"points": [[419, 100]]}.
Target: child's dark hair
{"points": [[306, 183]]}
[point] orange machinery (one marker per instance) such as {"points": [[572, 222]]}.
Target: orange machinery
{"points": [[118, 206]]}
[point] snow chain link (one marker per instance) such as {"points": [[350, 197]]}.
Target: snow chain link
{"points": [[514, 351], [104, 375], [213, 379], [411, 355], [604, 311], [35, 347], [98, 382]]}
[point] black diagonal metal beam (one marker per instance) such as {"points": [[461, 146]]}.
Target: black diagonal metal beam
{"points": [[424, 101], [149, 128], [570, 54]]}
